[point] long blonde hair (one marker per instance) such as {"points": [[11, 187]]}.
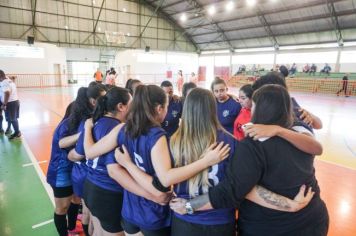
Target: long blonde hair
{"points": [[197, 131]]}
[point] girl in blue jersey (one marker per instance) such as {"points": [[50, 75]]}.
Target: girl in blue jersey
{"points": [[146, 142], [83, 108], [59, 169], [227, 107], [188, 144]]}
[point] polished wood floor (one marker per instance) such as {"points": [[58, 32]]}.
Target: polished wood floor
{"points": [[41, 111]]}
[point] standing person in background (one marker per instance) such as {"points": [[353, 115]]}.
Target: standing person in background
{"points": [[111, 77], [193, 78], [180, 81], [228, 108], [98, 76], [344, 85], [10, 103], [174, 113]]}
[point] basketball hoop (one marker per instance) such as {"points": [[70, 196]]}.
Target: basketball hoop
{"points": [[115, 37]]}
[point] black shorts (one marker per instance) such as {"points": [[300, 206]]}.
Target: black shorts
{"points": [[181, 227], [62, 192], [133, 229], [104, 204], [12, 112]]}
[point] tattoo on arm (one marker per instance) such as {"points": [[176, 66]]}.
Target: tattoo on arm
{"points": [[273, 198], [200, 201]]}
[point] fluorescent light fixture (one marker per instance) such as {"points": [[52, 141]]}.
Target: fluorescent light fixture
{"points": [[211, 10], [93, 1], [229, 6], [66, 26], [128, 34], [183, 17], [309, 46], [124, 9], [266, 49], [99, 29], [215, 52], [251, 2]]}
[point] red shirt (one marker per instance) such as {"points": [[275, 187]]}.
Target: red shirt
{"points": [[243, 118]]}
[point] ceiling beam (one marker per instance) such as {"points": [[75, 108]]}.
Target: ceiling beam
{"points": [[79, 31], [334, 18], [85, 18], [277, 35], [283, 22], [268, 29], [172, 21], [173, 4], [267, 12], [97, 19]]}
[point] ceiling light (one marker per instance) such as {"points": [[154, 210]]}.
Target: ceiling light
{"points": [[124, 9], [229, 6], [99, 29], [66, 27], [251, 2], [128, 34], [93, 1], [211, 10], [183, 17], [196, 14]]}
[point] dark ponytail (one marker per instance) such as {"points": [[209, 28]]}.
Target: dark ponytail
{"points": [[108, 103], [142, 114], [82, 109]]}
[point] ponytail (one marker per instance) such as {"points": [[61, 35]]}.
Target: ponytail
{"points": [[109, 102], [142, 114], [100, 108]]}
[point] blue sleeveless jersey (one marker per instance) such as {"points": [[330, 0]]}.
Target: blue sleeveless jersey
{"points": [[97, 171], [80, 169], [59, 168], [227, 113], [174, 113], [138, 210], [216, 174]]}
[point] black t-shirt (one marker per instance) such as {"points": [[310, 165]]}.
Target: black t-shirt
{"points": [[279, 167]]}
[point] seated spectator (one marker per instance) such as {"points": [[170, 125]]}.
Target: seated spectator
{"points": [[306, 68], [293, 70], [312, 69], [326, 69]]}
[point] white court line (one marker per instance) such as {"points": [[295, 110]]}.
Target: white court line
{"points": [[38, 170], [30, 164], [42, 224]]}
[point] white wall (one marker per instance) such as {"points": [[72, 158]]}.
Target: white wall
{"points": [[18, 65], [147, 66]]}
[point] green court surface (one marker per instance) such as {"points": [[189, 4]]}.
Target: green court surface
{"points": [[24, 202]]}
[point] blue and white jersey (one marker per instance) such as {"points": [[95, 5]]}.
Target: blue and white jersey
{"points": [[59, 168], [138, 210], [97, 170], [227, 113], [216, 174], [174, 113]]}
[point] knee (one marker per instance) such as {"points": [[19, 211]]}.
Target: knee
{"points": [[61, 210]]}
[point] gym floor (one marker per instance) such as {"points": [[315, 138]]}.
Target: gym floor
{"points": [[26, 208]]}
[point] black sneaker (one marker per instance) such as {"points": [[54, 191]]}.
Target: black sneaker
{"points": [[8, 132], [15, 136]]}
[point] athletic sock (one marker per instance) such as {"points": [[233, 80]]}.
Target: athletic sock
{"points": [[61, 224], [86, 229], [72, 215]]}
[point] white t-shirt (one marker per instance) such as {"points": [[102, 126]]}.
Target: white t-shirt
{"points": [[9, 85]]}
